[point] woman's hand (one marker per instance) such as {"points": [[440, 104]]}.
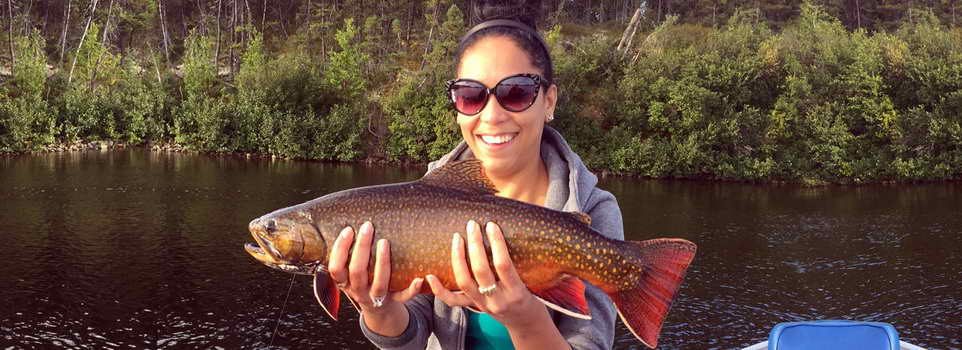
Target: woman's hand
{"points": [[500, 293], [504, 297], [384, 311]]}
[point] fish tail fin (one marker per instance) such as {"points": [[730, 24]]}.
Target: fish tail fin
{"points": [[644, 307], [327, 294]]}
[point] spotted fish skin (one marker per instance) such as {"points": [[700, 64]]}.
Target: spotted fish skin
{"points": [[552, 250]]}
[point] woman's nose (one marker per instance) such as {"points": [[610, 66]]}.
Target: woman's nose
{"points": [[493, 112]]}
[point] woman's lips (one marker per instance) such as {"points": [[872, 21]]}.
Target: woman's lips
{"points": [[497, 139]]}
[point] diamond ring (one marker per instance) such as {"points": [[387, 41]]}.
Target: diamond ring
{"points": [[378, 301], [489, 290]]}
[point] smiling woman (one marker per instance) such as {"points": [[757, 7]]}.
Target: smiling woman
{"points": [[504, 96]]}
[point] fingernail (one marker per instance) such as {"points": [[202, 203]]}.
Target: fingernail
{"points": [[380, 243], [456, 240], [346, 231], [489, 227], [366, 227], [470, 227]]}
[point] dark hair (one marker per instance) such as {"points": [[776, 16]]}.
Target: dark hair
{"points": [[522, 11]]}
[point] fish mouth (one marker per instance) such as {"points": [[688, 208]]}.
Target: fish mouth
{"points": [[267, 254], [265, 258]]}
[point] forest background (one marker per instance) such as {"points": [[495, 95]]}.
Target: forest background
{"points": [[815, 91]]}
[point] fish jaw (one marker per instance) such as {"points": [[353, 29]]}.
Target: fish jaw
{"points": [[289, 243], [300, 269]]}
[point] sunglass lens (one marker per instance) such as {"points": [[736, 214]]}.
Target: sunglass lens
{"points": [[468, 97], [516, 94]]}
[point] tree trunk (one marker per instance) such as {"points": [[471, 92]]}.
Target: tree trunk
{"points": [[858, 14], [634, 31], [217, 43], [63, 36], [233, 23], [13, 55], [163, 28], [26, 19], [110, 11], [103, 41], [156, 64], [250, 22], [629, 32], [203, 18], [660, 5], [93, 10]]}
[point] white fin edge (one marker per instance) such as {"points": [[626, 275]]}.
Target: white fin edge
{"points": [[628, 325], [560, 309]]}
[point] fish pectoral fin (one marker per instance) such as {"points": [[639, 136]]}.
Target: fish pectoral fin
{"points": [[353, 303], [327, 294], [567, 297]]}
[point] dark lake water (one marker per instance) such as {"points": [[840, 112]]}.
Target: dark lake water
{"points": [[132, 249]]}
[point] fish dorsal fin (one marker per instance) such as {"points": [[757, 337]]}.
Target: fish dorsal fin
{"points": [[465, 175], [581, 216]]}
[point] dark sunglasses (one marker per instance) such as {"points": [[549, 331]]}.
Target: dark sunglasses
{"points": [[515, 93]]}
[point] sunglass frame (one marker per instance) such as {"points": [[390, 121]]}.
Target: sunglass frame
{"points": [[539, 81]]}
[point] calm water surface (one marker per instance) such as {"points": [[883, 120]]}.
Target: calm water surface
{"points": [[132, 249]]}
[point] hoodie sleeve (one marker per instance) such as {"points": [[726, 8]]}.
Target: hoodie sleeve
{"points": [[415, 336], [599, 331]]}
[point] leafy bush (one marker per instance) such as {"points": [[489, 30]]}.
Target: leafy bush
{"points": [[421, 121], [26, 120]]}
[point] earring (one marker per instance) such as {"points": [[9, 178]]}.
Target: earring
{"points": [[550, 117]]}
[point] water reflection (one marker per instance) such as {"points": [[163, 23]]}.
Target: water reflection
{"points": [[143, 250]]}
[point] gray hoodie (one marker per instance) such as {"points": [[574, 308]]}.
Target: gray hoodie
{"points": [[571, 187]]}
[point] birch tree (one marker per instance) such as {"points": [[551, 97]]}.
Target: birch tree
{"points": [[63, 35], [93, 10]]}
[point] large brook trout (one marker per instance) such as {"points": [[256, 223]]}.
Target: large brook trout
{"points": [[553, 251]]}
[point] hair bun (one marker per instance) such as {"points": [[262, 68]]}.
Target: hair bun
{"points": [[524, 11]]}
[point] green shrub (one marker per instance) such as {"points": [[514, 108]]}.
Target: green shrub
{"points": [[200, 119], [421, 123], [26, 120]]}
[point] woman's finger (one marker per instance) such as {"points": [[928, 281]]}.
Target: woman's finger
{"points": [[360, 257], [382, 272], [499, 254], [459, 265], [411, 291], [479, 257], [447, 296], [340, 252]]}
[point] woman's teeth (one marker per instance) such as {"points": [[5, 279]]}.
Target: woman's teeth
{"points": [[497, 140]]}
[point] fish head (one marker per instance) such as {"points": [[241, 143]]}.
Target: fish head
{"points": [[287, 241]]}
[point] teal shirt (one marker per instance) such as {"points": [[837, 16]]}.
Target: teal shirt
{"points": [[486, 333]]}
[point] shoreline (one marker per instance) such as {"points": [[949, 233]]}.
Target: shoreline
{"points": [[170, 147]]}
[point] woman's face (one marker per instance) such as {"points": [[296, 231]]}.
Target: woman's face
{"points": [[504, 141]]}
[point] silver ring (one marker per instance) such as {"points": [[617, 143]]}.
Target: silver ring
{"points": [[378, 301], [489, 290]]}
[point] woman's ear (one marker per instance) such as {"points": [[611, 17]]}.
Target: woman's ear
{"points": [[550, 100]]}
